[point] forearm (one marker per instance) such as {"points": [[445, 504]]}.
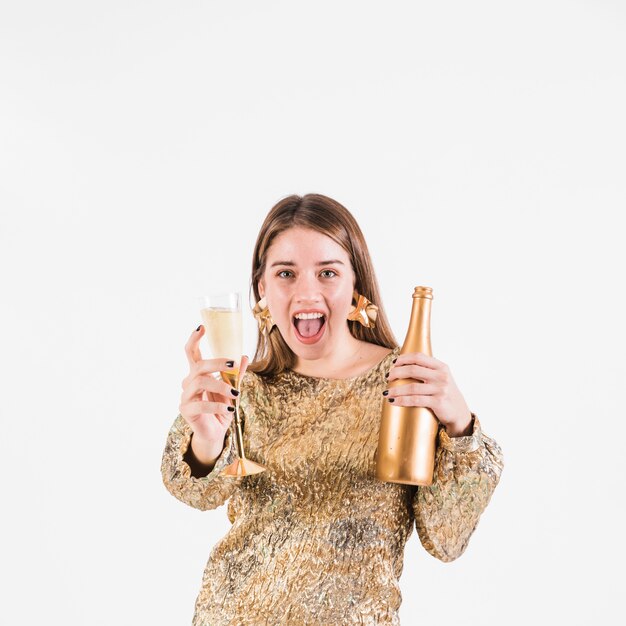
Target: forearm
{"points": [[205, 488], [467, 470]]}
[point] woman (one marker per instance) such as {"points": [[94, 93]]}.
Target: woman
{"points": [[317, 539]]}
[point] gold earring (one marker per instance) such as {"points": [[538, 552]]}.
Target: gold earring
{"points": [[364, 311], [263, 316]]}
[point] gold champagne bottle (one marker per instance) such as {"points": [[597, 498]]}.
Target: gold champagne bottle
{"points": [[408, 435]]}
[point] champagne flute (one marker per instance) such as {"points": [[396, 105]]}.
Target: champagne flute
{"points": [[221, 315]]}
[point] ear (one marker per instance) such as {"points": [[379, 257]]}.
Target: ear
{"points": [[261, 288]]}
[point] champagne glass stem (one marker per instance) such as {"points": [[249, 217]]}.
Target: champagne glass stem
{"points": [[238, 434]]}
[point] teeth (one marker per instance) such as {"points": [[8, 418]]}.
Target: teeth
{"points": [[308, 316]]}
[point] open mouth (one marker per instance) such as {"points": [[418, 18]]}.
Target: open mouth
{"points": [[309, 330]]}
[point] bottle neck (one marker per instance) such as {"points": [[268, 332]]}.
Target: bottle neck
{"points": [[418, 335]]}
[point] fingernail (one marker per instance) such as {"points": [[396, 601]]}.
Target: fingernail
{"points": [[394, 360], [231, 408], [390, 399], [230, 363], [199, 327], [234, 392], [385, 393]]}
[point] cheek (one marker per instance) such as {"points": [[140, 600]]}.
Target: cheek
{"points": [[342, 303], [273, 290], [278, 301]]}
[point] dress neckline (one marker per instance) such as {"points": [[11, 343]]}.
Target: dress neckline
{"points": [[365, 374]]}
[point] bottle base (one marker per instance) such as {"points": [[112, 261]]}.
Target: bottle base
{"points": [[422, 482]]}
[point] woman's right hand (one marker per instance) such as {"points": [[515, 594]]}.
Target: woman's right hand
{"points": [[206, 402]]}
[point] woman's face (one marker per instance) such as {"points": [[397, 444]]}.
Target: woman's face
{"points": [[306, 272]]}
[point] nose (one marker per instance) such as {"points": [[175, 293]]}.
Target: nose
{"points": [[307, 290]]}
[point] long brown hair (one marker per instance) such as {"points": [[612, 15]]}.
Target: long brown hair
{"points": [[330, 218]]}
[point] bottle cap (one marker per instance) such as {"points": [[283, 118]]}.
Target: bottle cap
{"points": [[423, 292]]}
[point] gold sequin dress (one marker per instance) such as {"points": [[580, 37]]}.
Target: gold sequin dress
{"points": [[317, 539]]}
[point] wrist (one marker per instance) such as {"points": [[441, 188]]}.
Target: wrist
{"points": [[464, 429], [205, 452]]}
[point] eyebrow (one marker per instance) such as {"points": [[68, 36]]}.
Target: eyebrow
{"points": [[292, 264]]}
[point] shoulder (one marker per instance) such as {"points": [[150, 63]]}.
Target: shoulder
{"points": [[371, 357], [373, 353], [380, 351], [255, 390], [250, 381]]}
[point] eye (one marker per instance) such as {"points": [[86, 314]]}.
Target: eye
{"points": [[329, 272], [280, 274]]}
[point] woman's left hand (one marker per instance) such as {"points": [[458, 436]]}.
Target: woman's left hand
{"points": [[438, 392]]}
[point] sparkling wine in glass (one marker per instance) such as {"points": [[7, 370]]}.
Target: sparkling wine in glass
{"points": [[221, 315]]}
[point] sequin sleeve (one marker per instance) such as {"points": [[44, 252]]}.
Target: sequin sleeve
{"points": [[208, 492], [467, 470]]}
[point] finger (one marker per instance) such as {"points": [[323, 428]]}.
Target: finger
{"points": [[428, 401], [192, 347], [419, 358], [208, 384], [412, 389], [209, 366], [225, 420], [418, 372], [193, 410], [243, 366]]}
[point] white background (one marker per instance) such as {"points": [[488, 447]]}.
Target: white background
{"points": [[481, 147]]}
